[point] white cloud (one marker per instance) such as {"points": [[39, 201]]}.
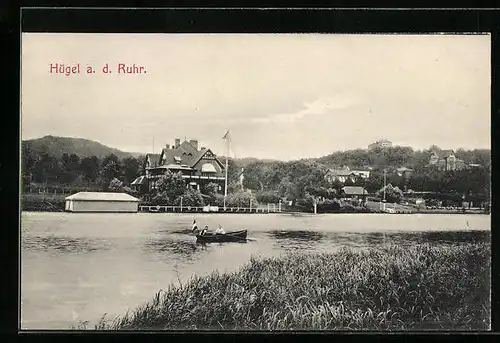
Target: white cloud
{"points": [[316, 107]]}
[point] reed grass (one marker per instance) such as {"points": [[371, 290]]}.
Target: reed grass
{"points": [[393, 288]]}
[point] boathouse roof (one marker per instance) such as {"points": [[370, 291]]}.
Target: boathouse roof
{"points": [[354, 190], [101, 196]]}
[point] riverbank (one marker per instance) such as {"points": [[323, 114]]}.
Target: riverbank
{"points": [[56, 202], [418, 287]]}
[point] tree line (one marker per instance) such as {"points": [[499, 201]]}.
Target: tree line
{"points": [[400, 156], [73, 170], [303, 181]]}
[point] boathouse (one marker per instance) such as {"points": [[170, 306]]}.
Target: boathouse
{"points": [[101, 202]]}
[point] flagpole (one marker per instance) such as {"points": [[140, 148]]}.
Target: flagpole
{"points": [[227, 153]]}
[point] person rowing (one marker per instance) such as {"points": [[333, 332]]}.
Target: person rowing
{"points": [[205, 229]]}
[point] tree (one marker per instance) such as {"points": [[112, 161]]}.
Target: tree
{"points": [[142, 165], [241, 199], [211, 190], [268, 197], [191, 197], [233, 171], [110, 168], [293, 192], [349, 182], [115, 185], [69, 168], [130, 169], [336, 184], [359, 181], [46, 169], [392, 194], [253, 175], [171, 186], [29, 159], [89, 168]]}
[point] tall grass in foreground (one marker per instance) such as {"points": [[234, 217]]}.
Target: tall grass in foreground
{"points": [[391, 288]]}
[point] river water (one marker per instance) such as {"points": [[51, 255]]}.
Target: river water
{"points": [[77, 267]]}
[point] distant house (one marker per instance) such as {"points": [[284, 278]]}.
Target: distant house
{"points": [[345, 173], [101, 202], [354, 192], [197, 166], [403, 171], [340, 175], [446, 160], [362, 172], [382, 143]]}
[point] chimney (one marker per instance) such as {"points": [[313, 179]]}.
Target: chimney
{"points": [[177, 142], [194, 143], [167, 146], [203, 148]]}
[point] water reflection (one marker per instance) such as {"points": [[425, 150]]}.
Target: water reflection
{"points": [[456, 236], [372, 239], [220, 244], [296, 235], [186, 231], [64, 244], [168, 245], [295, 240]]}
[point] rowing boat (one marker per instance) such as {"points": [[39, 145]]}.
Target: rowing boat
{"points": [[212, 237]]}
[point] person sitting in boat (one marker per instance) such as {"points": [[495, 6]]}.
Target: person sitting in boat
{"points": [[220, 230]]}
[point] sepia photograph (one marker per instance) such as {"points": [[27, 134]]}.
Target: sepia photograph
{"points": [[255, 182]]}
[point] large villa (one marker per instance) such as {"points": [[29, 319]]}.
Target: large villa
{"points": [[198, 166]]}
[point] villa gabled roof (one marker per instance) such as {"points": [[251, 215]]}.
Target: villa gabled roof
{"points": [[185, 153], [443, 153]]}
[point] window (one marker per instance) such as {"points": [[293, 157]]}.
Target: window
{"points": [[177, 159], [208, 168]]}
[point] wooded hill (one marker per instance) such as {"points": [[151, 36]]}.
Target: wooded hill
{"points": [[56, 146]]}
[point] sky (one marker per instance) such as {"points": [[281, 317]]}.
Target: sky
{"points": [[280, 96]]}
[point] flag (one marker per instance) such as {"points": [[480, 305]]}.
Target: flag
{"points": [[225, 135]]}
